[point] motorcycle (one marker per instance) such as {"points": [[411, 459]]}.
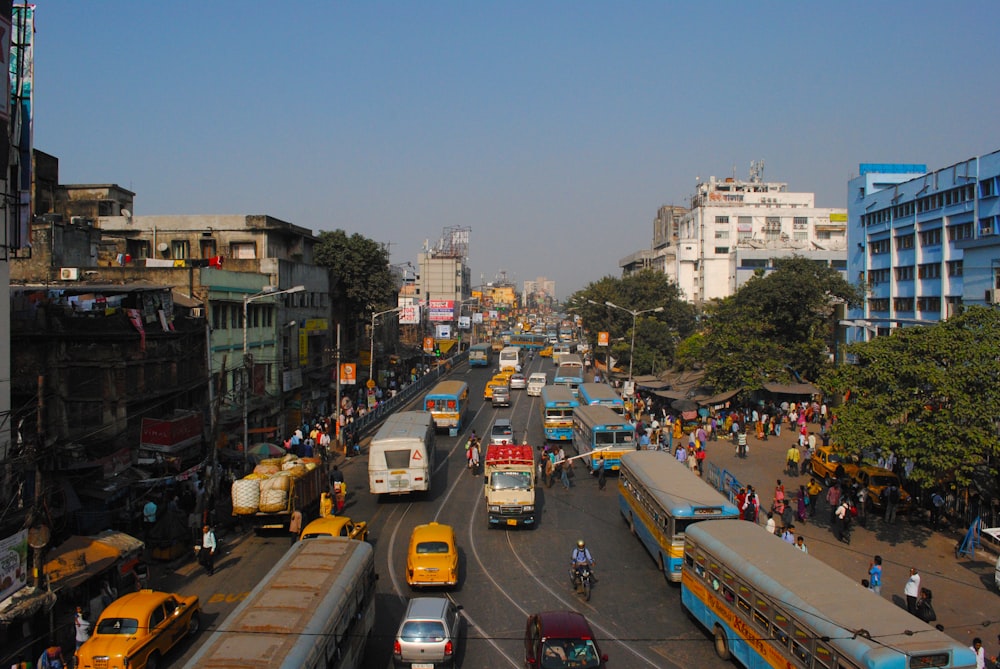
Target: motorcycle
{"points": [[583, 581]]}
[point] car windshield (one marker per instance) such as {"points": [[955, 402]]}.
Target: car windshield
{"points": [[432, 548], [125, 626], [510, 480], [565, 653], [422, 630]]}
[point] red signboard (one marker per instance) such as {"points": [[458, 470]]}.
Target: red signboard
{"points": [[168, 434]]}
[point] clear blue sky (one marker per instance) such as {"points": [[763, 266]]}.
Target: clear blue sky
{"points": [[553, 129]]}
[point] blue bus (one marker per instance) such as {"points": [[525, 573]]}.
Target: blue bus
{"points": [[603, 394], [659, 498], [480, 355], [447, 403], [604, 434], [557, 412], [770, 605], [528, 341], [571, 377]]}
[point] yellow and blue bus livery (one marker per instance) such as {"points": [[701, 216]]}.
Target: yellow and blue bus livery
{"points": [[557, 412], [659, 498], [569, 376], [770, 605], [480, 355], [447, 403], [603, 394], [603, 433]]}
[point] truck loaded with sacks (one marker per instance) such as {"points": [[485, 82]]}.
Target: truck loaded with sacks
{"points": [[277, 487]]}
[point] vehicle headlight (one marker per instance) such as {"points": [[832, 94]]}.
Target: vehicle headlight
{"points": [[529, 507], [494, 508]]}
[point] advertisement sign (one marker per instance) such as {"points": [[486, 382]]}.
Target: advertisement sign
{"points": [[602, 339], [13, 563], [409, 314], [443, 331], [494, 314], [428, 344], [464, 323], [441, 310], [348, 373], [477, 318]]}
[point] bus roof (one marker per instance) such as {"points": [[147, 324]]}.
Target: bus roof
{"points": [[404, 425], [599, 414], [863, 625], [559, 394], [676, 488], [449, 388], [599, 392]]}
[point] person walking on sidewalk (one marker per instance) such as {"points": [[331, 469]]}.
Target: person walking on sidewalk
{"points": [[813, 489], [208, 545], [875, 575], [912, 590]]}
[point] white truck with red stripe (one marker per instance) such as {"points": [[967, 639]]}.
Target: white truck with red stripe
{"points": [[509, 484]]}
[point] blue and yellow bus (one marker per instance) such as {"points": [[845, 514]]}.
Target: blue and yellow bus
{"points": [[659, 498], [601, 393], [557, 412], [528, 341], [571, 377], [480, 355], [604, 434], [770, 605], [447, 402]]}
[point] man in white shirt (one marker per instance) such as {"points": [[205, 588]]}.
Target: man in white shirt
{"points": [[912, 590]]}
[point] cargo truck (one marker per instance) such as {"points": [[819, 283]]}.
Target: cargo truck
{"points": [[509, 485], [267, 500]]}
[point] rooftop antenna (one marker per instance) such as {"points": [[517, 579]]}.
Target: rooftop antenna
{"points": [[757, 171]]}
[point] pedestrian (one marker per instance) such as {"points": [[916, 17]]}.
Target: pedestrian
{"points": [[840, 520], [550, 470], [891, 500], [601, 479], [813, 490], [800, 543], [792, 461], [51, 658], [564, 473], [912, 590], [208, 546], [339, 496], [700, 461], [833, 499], [295, 525], [789, 534], [336, 476], [770, 526], [977, 648], [751, 505], [802, 504], [875, 575], [82, 626]]}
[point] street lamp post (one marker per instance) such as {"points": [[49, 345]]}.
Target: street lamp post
{"points": [[246, 357], [371, 351], [635, 314]]}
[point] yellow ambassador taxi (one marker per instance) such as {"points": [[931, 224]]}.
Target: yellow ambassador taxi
{"points": [[137, 630], [335, 526], [491, 384], [432, 558]]}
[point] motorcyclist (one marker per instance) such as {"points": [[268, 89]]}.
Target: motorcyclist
{"points": [[580, 558]]}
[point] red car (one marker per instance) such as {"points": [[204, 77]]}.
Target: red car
{"points": [[561, 640]]}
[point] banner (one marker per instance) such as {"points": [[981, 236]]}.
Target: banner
{"points": [[13, 563], [409, 314], [477, 318], [348, 374], [464, 323], [441, 310], [602, 339]]}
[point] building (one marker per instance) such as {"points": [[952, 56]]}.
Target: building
{"points": [[923, 243], [444, 282], [735, 229], [539, 293]]}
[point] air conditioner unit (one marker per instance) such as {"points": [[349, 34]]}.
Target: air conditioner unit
{"points": [[993, 296], [197, 312], [69, 274]]}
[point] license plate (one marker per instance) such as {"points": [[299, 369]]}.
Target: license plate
{"points": [[512, 521], [422, 665]]}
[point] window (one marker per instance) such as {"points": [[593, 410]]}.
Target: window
{"points": [[782, 627], [987, 226], [179, 249], [904, 273], [931, 237], [722, 250], [954, 268], [879, 246], [722, 234], [800, 646], [208, 248], [959, 232], [904, 242], [761, 611], [877, 276], [772, 227], [902, 304], [801, 236], [929, 304], [722, 220], [800, 223], [753, 263], [137, 248], [987, 188], [879, 304], [930, 270], [743, 600], [243, 250], [744, 234]]}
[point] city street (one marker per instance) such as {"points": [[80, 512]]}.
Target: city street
{"points": [[507, 574]]}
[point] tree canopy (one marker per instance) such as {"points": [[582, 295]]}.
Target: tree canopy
{"points": [[360, 281], [929, 394], [777, 327], [656, 333]]}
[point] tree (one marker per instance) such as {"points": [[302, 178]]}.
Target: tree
{"points": [[360, 281], [656, 334], [930, 394], [776, 327]]}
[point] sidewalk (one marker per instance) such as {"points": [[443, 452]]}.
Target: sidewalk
{"points": [[964, 597]]}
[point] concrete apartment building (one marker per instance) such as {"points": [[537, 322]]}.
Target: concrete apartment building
{"points": [[662, 253], [923, 243]]}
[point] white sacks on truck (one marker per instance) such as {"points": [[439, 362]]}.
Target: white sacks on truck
{"points": [[266, 490]]}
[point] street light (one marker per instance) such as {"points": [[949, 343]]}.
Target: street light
{"points": [[635, 314], [371, 351], [269, 291]]}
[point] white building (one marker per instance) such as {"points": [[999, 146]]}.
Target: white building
{"points": [[735, 228]]}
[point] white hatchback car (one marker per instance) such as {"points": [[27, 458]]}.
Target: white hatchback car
{"points": [[536, 382]]}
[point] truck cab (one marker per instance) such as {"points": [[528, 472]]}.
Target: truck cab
{"points": [[509, 485]]}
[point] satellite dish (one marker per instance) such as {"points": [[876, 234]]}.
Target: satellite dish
{"points": [[126, 213]]}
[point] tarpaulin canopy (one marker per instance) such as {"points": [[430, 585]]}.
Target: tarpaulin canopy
{"points": [[719, 398], [791, 388]]}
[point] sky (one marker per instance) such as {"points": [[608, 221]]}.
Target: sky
{"points": [[552, 130]]}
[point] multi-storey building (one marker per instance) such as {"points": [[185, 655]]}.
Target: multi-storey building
{"points": [[923, 243], [737, 228], [662, 254]]}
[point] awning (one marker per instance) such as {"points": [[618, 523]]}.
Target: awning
{"points": [[791, 388], [721, 397], [670, 394], [182, 300], [652, 385]]}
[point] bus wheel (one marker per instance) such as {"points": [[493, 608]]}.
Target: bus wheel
{"points": [[721, 645]]}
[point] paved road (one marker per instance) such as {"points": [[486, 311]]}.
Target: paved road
{"points": [[507, 574]]}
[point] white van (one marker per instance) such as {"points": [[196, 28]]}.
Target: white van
{"points": [[401, 454], [536, 382]]}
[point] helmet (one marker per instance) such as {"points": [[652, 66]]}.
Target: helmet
{"points": [[580, 544]]}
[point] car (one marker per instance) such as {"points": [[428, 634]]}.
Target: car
{"points": [[825, 461], [432, 558], [546, 352], [518, 381], [492, 385], [335, 526], [875, 480], [536, 382], [429, 634], [138, 629], [504, 375], [560, 640], [502, 433], [501, 396]]}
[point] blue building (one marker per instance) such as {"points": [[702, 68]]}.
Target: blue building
{"points": [[922, 243]]}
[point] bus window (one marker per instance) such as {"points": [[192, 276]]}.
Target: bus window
{"points": [[743, 601], [760, 613], [824, 658], [800, 646], [781, 628]]}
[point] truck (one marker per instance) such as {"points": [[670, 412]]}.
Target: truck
{"points": [[268, 502], [509, 485]]}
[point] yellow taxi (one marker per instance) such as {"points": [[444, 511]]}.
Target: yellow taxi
{"points": [[432, 558], [504, 375], [825, 461], [335, 526], [546, 352], [876, 480], [490, 385], [137, 630]]}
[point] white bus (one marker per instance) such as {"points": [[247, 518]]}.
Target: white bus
{"points": [[510, 358], [401, 454], [314, 610]]}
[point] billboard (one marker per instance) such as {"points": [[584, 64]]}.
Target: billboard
{"points": [[441, 310]]}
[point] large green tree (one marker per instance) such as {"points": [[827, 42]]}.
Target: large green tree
{"points": [[656, 333], [930, 394], [777, 327], [360, 281]]}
